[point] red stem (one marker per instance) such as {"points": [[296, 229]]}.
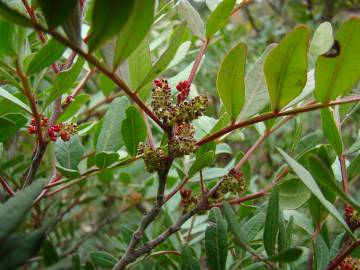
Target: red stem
{"points": [[271, 115], [198, 61], [7, 187], [175, 190], [341, 256]]}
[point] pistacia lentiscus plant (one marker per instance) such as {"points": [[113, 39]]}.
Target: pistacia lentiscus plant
{"points": [[153, 134]]}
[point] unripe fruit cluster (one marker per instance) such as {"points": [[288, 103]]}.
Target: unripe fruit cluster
{"points": [[154, 158], [183, 111], [183, 142], [233, 182], [349, 263], [187, 199], [352, 217]]}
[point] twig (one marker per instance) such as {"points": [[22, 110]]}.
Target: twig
{"points": [[6, 186], [198, 61], [162, 252], [202, 185], [346, 251], [176, 189], [271, 115]]}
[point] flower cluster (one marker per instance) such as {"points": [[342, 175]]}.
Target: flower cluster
{"points": [[349, 263], [352, 217], [62, 130], [183, 142], [32, 129], [183, 111], [233, 182], [187, 199], [154, 158]]}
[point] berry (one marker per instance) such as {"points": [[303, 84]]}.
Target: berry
{"points": [[32, 129], [56, 127], [65, 136], [33, 122], [51, 132]]}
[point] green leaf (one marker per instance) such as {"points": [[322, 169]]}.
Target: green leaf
{"points": [[69, 153], [272, 222], [108, 19], [322, 40], [252, 226], [139, 66], [288, 255], [68, 173], [103, 259], [18, 248], [216, 244], [331, 131], [6, 95], [110, 138], [193, 20], [135, 30], [309, 181], [325, 176], [293, 193], [14, 210], [49, 253], [56, 11], [322, 254], [236, 229], [201, 162], [188, 261], [105, 159], [230, 80], [7, 38], [286, 67], [13, 15], [335, 76], [8, 131], [64, 81], [166, 57], [354, 168], [219, 17], [256, 92], [72, 25], [133, 130], [46, 56], [6, 122], [73, 108]]}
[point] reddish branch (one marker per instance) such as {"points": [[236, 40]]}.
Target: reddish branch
{"points": [[271, 115], [6, 186], [346, 251]]}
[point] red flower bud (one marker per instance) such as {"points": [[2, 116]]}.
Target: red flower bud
{"points": [[32, 130], [158, 82], [56, 128], [33, 122]]}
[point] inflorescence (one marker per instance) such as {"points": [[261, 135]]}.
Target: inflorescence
{"points": [[352, 217], [175, 117], [62, 130]]}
